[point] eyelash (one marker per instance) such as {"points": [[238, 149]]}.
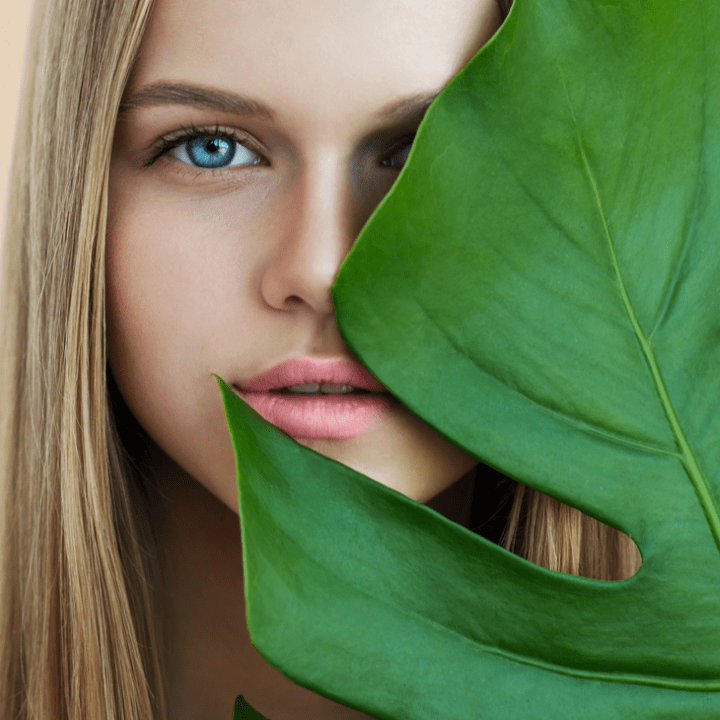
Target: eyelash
{"points": [[400, 145], [165, 144]]}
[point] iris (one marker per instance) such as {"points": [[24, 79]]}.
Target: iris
{"points": [[211, 152]]}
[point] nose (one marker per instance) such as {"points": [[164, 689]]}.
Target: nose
{"points": [[315, 231]]}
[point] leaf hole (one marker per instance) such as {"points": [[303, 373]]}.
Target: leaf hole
{"points": [[537, 527]]}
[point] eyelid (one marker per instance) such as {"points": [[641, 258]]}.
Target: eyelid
{"points": [[164, 144]]}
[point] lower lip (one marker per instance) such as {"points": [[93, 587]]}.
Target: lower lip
{"points": [[329, 417]]}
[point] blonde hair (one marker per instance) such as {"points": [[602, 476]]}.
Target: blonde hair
{"points": [[559, 537], [78, 631], [81, 636]]}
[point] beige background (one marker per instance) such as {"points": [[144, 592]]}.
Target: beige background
{"points": [[14, 22]]}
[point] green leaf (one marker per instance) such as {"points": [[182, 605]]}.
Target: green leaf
{"points": [[542, 286], [243, 711]]}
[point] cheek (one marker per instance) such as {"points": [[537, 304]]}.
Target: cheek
{"points": [[167, 263], [175, 287], [156, 298], [180, 270]]}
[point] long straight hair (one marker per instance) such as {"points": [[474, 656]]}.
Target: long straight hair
{"points": [[81, 632]]}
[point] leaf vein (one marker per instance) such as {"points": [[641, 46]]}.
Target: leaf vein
{"points": [[574, 422], [479, 646]]}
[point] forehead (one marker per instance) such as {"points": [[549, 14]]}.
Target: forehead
{"points": [[329, 61]]}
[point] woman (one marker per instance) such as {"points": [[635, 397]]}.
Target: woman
{"points": [[188, 181]]}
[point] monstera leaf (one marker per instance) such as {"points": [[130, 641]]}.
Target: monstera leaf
{"points": [[542, 285]]}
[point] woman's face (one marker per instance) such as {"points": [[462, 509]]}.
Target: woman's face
{"points": [[222, 249]]}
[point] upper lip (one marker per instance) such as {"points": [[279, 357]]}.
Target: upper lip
{"points": [[306, 371]]}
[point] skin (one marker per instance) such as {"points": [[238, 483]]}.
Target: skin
{"points": [[229, 272]]}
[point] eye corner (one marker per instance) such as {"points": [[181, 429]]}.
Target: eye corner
{"points": [[402, 148]]}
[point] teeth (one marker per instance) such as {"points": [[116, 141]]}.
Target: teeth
{"points": [[324, 387], [319, 389], [312, 388]]}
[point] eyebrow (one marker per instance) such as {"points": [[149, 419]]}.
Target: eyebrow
{"points": [[197, 97], [407, 109], [157, 94]]}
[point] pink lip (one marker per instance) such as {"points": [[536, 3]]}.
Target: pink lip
{"points": [[332, 417], [303, 371]]}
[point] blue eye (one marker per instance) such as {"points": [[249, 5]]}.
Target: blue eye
{"points": [[211, 152]]}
